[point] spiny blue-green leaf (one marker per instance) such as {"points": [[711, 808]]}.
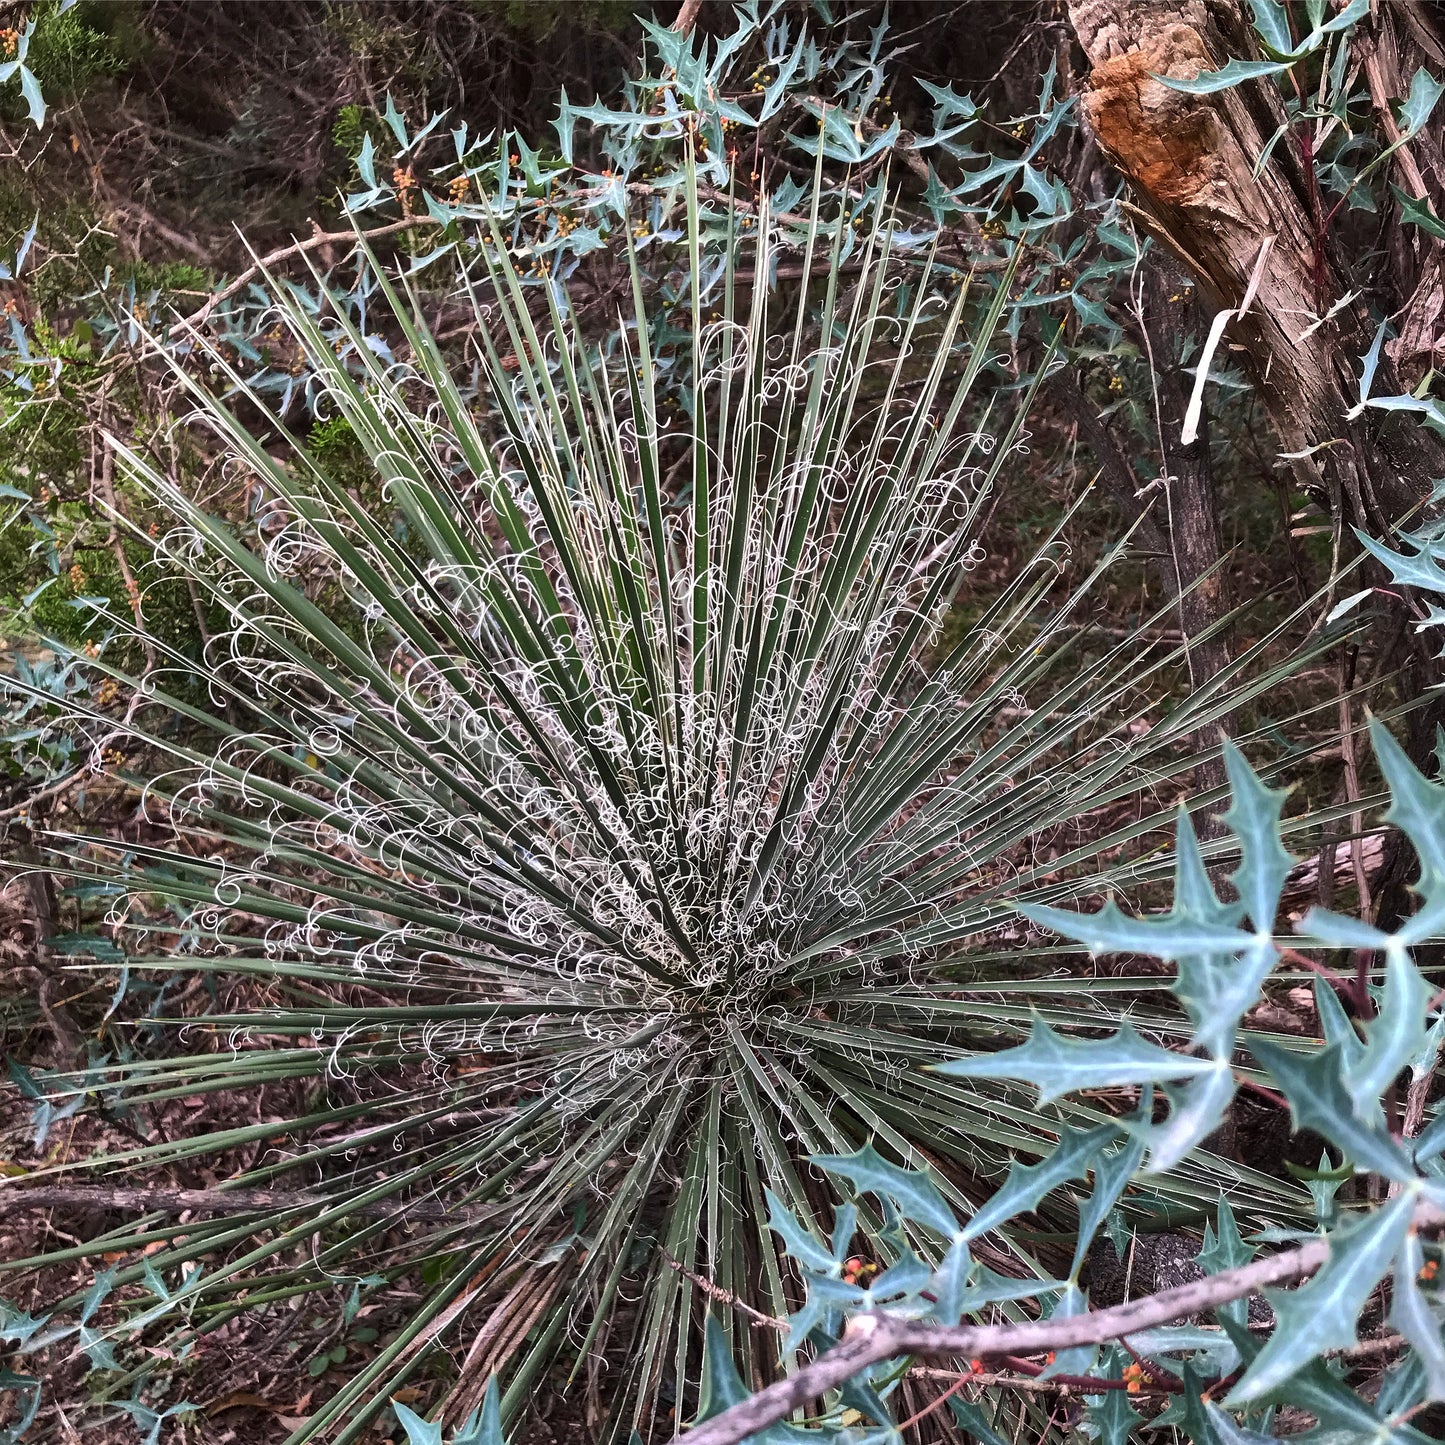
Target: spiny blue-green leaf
{"points": [[1339, 930], [1228, 1431], [1253, 817], [1028, 1183], [1395, 1035], [1425, 93], [1217, 989], [1056, 1064], [1271, 24], [1080, 1359], [418, 1430], [484, 1426], [1417, 211], [1318, 1100], [1196, 1110], [1194, 894], [797, 1240], [722, 1386], [1111, 1178], [1416, 805], [911, 1189], [1415, 1318], [906, 1276], [971, 1418], [1110, 1413], [1223, 1249], [17, 1325], [1233, 72], [1112, 931], [1335, 1024], [29, 1387], [1321, 1315], [950, 1281]]}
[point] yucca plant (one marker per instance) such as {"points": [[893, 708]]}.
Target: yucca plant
{"points": [[612, 817]]}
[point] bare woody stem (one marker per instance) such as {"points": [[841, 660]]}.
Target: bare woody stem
{"points": [[873, 1337]]}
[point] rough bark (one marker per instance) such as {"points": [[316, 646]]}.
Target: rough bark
{"points": [[1190, 161]]}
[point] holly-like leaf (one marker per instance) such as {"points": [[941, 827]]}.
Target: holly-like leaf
{"points": [[1234, 72], [1026, 1184], [1112, 931], [1417, 806], [1318, 1100], [797, 1240], [1111, 1178], [1321, 1315], [911, 1189], [1056, 1064], [1412, 1314], [1253, 818], [1395, 1035], [1223, 1249], [1418, 212], [418, 1430], [1425, 93], [1109, 1413], [484, 1426], [1196, 1110]]}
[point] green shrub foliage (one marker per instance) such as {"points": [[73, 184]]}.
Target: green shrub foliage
{"points": [[599, 815]]}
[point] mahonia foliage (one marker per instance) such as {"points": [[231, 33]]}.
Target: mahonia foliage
{"points": [[1224, 1383]]}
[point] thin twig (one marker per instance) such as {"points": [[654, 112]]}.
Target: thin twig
{"points": [[723, 1296]]}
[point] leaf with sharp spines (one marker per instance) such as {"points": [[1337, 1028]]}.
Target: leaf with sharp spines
{"points": [[1110, 1413], [911, 1189], [1111, 1178], [1412, 1314], [1395, 1035], [1194, 894], [950, 1283], [1026, 1184], [1339, 930], [1080, 1359], [1224, 1248], [1056, 1064], [722, 1386], [1196, 1110], [1254, 818], [1322, 1314], [1336, 1026], [1417, 806], [1318, 1100], [1217, 989], [1112, 931], [1228, 1431], [418, 1430], [797, 1240], [483, 1426]]}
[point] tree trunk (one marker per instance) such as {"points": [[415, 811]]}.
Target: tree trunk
{"points": [[1190, 162]]}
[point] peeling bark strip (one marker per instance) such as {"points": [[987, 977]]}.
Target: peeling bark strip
{"points": [[1190, 161]]}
